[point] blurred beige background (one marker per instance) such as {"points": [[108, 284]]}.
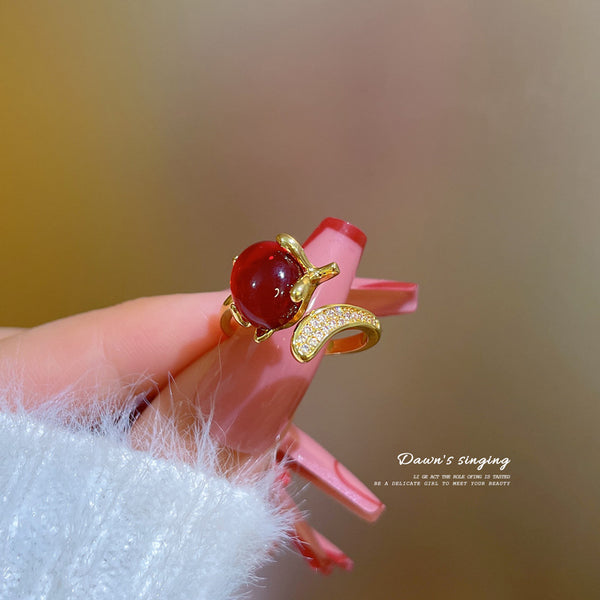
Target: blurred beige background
{"points": [[143, 144]]}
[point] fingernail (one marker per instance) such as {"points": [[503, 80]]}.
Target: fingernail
{"points": [[321, 554], [384, 298], [318, 466]]}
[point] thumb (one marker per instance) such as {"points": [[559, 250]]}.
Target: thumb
{"points": [[130, 348]]}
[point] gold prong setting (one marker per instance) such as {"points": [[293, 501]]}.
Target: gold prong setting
{"points": [[260, 335], [237, 315], [306, 285]]}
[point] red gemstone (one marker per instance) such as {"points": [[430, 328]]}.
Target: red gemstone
{"points": [[261, 280]]}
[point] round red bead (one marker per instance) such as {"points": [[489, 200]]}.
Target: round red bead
{"points": [[261, 280]]}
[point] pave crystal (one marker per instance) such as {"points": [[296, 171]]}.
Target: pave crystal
{"points": [[314, 329]]}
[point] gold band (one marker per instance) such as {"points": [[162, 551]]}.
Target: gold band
{"points": [[319, 327], [228, 312]]}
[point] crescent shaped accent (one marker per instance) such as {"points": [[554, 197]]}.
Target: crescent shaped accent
{"points": [[318, 328]]}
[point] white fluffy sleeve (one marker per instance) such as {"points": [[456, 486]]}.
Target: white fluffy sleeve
{"points": [[83, 515]]}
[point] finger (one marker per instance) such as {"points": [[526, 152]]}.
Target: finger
{"points": [[177, 420], [127, 349], [8, 331], [175, 415]]}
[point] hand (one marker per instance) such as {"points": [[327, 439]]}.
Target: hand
{"points": [[141, 348], [128, 350], [166, 352]]}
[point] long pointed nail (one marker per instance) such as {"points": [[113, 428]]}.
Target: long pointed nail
{"points": [[313, 462], [321, 554], [384, 298]]}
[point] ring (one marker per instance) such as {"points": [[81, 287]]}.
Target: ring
{"points": [[271, 286], [321, 325]]}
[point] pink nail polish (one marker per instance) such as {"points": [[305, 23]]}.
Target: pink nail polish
{"points": [[384, 298], [320, 553], [318, 466]]}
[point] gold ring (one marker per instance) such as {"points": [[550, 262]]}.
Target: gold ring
{"points": [[319, 327]]}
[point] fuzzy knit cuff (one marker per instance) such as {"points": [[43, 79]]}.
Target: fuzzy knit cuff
{"points": [[83, 515]]}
